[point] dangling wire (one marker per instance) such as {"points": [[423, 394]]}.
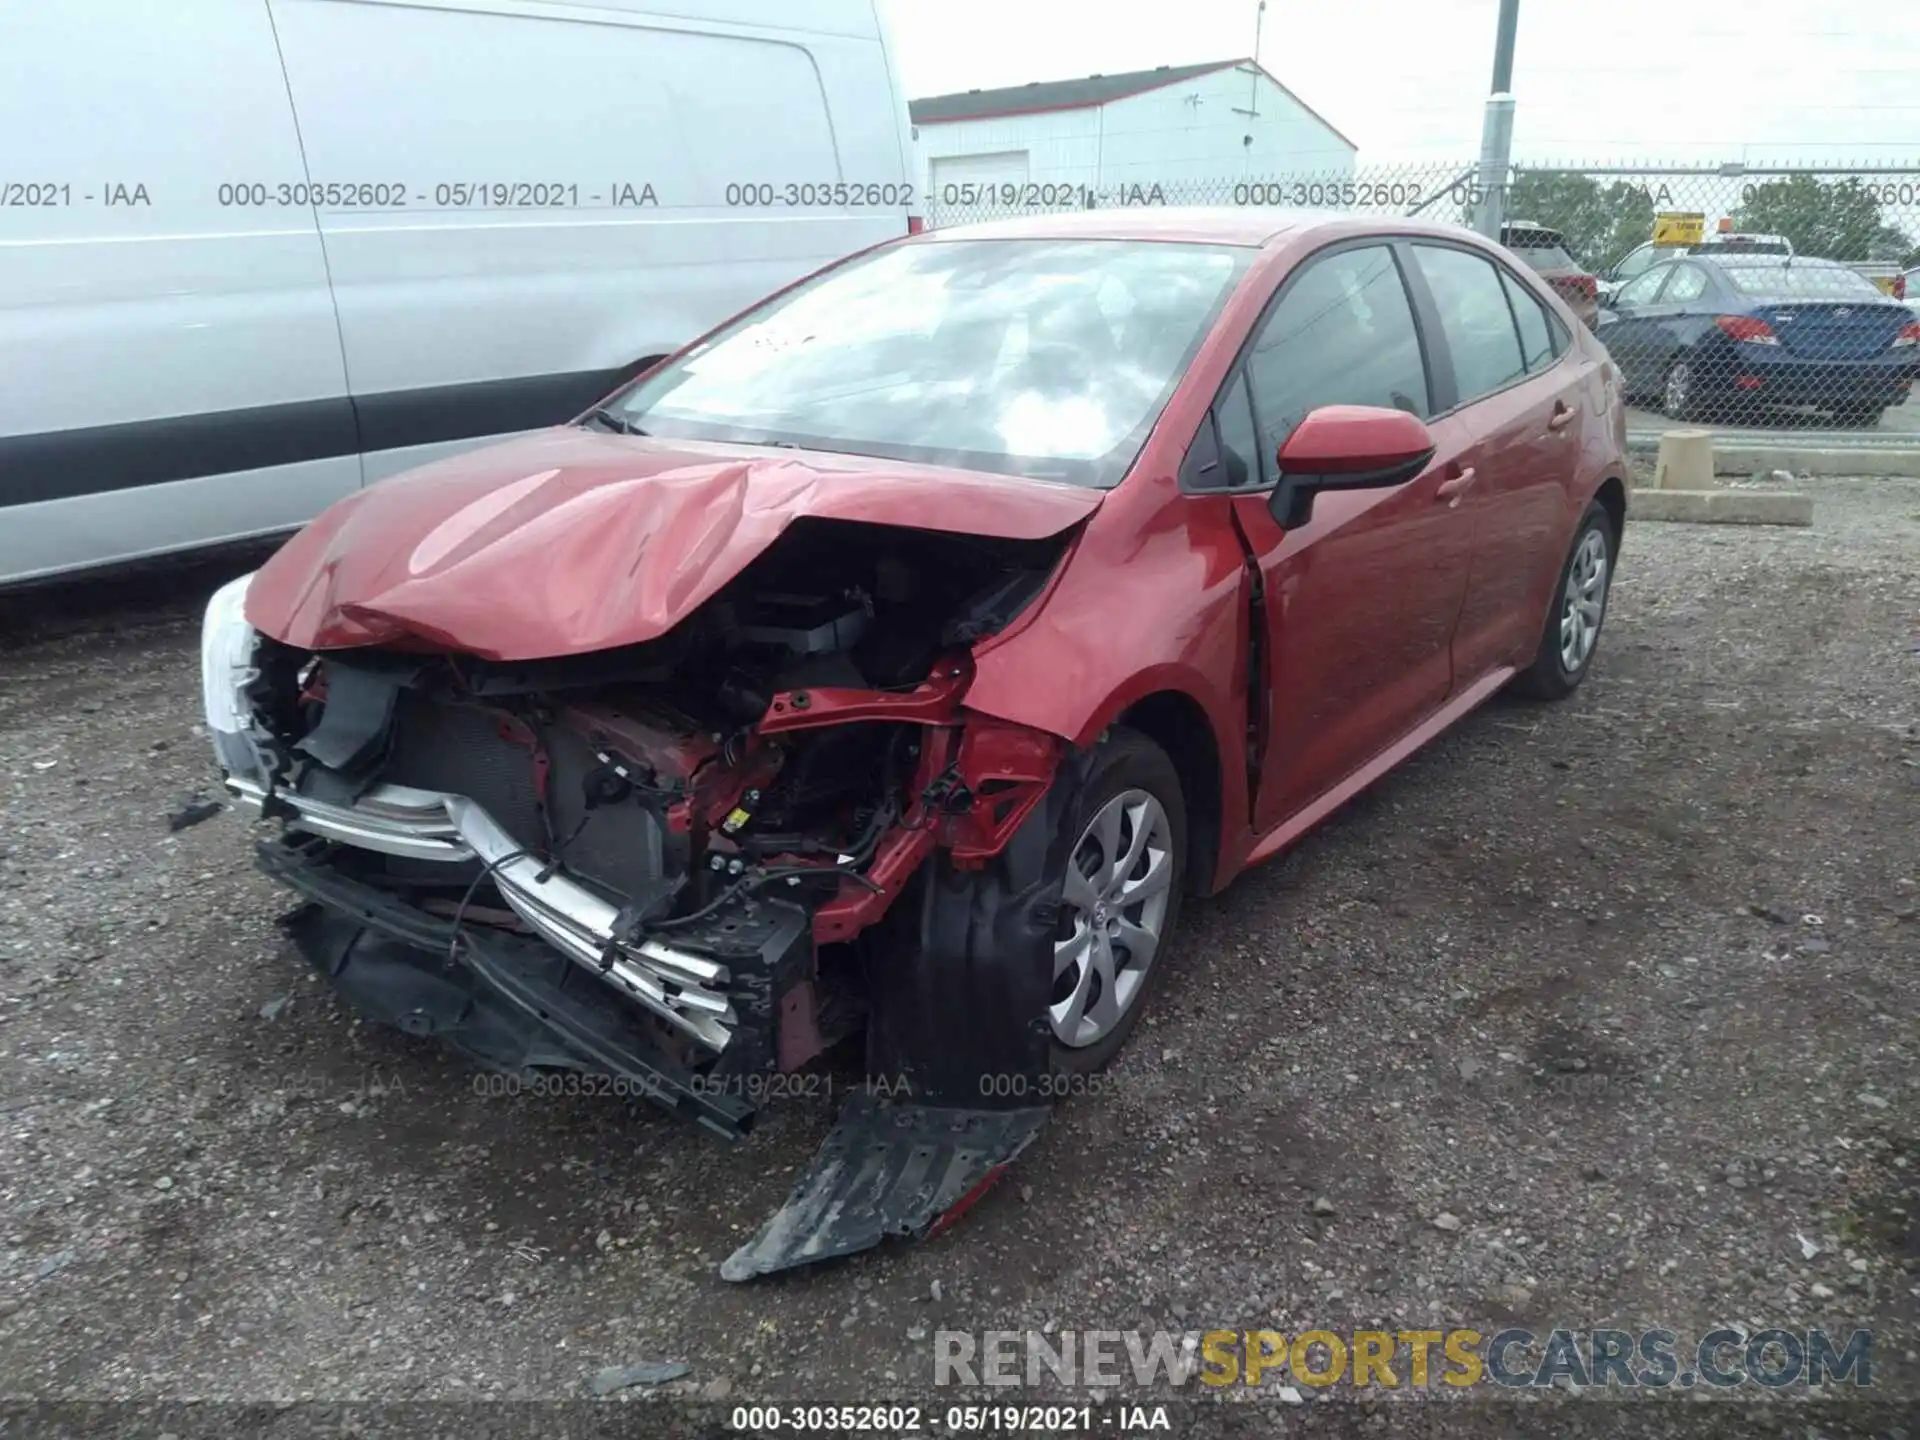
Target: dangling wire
{"points": [[460, 910]]}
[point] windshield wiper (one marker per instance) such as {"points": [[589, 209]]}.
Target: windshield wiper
{"points": [[610, 421]]}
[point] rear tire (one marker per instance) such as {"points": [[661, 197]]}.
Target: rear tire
{"points": [[1124, 875], [1680, 392], [1571, 637]]}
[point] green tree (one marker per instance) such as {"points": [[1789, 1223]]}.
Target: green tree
{"points": [[1599, 223], [1833, 219]]}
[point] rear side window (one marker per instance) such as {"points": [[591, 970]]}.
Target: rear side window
{"points": [[1342, 334], [1475, 318], [1537, 334]]}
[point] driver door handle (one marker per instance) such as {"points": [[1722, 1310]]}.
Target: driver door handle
{"points": [[1451, 490], [1562, 416]]}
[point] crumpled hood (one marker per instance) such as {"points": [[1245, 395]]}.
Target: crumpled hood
{"points": [[574, 540]]}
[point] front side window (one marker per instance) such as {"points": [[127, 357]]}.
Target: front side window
{"points": [[1342, 334], [1239, 441], [1689, 283], [1642, 291], [1049, 359], [1475, 317]]}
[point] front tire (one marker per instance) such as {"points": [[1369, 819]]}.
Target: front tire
{"points": [[1572, 634], [1120, 903]]}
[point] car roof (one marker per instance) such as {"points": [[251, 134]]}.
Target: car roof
{"points": [[1196, 224], [1773, 262]]}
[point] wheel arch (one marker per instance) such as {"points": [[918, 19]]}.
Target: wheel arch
{"points": [[1177, 723], [1612, 497]]}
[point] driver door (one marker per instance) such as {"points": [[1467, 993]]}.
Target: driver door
{"points": [[1361, 601], [1631, 334]]}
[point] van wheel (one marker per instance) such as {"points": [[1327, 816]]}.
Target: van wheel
{"points": [[1120, 899]]}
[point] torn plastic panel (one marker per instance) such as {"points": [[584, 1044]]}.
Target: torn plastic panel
{"points": [[958, 1023], [886, 1171]]}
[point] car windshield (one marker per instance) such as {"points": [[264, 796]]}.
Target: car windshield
{"points": [[1043, 358], [1802, 282]]}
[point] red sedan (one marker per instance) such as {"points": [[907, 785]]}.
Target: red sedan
{"points": [[895, 658]]}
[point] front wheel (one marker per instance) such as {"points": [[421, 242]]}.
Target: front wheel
{"points": [[1120, 899], [1572, 631]]}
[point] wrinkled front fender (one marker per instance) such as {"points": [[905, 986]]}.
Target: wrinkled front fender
{"points": [[1155, 598]]}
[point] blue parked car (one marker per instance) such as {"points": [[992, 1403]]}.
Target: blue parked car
{"points": [[1735, 335]]}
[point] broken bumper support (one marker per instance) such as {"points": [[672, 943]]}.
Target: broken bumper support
{"points": [[685, 989], [510, 1003]]}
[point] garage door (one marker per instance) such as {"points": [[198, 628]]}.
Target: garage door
{"points": [[968, 187]]}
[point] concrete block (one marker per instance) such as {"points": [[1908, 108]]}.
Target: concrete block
{"points": [[1744, 457], [1722, 507], [1685, 461]]}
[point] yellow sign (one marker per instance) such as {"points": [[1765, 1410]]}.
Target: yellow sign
{"points": [[1679, 227]]}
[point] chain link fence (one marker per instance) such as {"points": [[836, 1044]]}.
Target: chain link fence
{"points": [[1741, 297]]}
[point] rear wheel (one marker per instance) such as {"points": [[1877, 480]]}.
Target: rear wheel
{"points": [[1120, 899], [1572, 633], [1679, 395]]}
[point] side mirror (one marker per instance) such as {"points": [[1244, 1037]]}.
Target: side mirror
{"points": [[1347, 447]]}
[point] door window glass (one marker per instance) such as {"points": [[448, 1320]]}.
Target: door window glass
{"points": [[1475, 317], [1342, 334]]}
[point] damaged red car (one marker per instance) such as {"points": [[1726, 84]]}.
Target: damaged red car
{"points": [[894, 659]]}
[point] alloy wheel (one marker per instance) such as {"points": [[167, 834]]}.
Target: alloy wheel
{"points": [[1584, 601], [1679, 387], [1118, 886]]}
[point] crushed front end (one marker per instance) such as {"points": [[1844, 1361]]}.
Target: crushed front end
{"points": [[679, 863]]}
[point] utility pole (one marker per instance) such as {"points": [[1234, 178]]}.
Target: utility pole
{"points": [[1259, 19], [1253, 87], [1496, 129]]}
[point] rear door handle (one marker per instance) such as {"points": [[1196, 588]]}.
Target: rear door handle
{"points": [[1562, 416], [1451, 490]]}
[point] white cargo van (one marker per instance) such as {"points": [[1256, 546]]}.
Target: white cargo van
{"points": [[257, 253]]}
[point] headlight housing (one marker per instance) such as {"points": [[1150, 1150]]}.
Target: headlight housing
{"points": [[227, 644]]}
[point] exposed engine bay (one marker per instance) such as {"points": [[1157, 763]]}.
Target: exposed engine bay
{"points": [[667, 862]]}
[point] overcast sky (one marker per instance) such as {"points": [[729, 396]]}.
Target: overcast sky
{"points": [[1753, 80]]}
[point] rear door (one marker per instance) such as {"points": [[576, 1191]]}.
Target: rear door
{"points": [[1518, 382], [1361, 600]]}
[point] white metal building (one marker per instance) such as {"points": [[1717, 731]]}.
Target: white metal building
{"points": [[1224, 121]]}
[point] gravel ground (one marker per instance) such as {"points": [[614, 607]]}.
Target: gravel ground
{"points": [[1586, 1016]]}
